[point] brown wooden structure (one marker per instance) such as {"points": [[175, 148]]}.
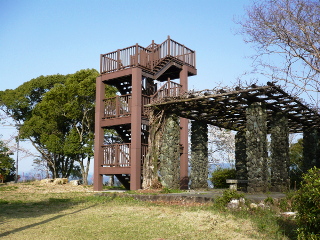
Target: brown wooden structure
{"points": [[134, 71], [143, 77]]}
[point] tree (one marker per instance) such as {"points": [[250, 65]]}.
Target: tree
{"points": [[19, 104], [7, 169], [288, 33], [64, 122], [221, 146], [296, 162], [60, 120]]}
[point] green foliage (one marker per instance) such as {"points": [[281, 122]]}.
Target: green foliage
{"points": [[226, 197], [20, 102], [220, 175], [7, 168], [58, 117], [168, 190], [269, 200], [296, 161], [307, 203]]}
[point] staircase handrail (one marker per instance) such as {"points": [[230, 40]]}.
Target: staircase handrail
{"points": [[174, 49], [168, 84], [117, 154]]}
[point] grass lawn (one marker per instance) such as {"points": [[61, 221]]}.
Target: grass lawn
{"points": [[40, 214]]}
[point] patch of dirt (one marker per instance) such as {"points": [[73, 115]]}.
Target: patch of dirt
{"points": [[40, 187], [181, 203], [149, 190]]}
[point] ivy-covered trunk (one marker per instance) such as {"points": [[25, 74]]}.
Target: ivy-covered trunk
{"points": [[151, 162], [310, 149], [170, 153], [199, 155], [257, 155], [279, 153], [241, 159]]}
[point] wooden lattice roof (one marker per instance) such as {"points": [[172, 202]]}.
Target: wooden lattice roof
{"points": [[227, 108]]}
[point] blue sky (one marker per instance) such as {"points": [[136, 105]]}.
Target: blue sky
{"points": [[44, 37]]}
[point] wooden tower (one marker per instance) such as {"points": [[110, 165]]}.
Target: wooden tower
{"points": [[141, 75]]}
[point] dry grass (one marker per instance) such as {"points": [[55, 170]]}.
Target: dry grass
{"points": [[37, 211]]}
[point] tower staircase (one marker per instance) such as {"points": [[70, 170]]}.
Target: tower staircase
{"points": [[137, 73]]}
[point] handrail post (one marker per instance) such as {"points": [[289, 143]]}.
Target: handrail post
{"points": [[183, 55], [152, 55], [118, 59], [117, 155], [137, 53], [100, 63], [117, 106], [168, 46]]}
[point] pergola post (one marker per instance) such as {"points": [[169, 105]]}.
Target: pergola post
{"points": [[310, 149], [170, 153], [199, 155], [279, 153], [256, 139], [241, 157]]}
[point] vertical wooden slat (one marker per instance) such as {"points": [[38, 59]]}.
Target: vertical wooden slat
{"points": [[168, 51]]}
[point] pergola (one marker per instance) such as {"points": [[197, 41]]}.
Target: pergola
{"points": [[226, 108], [253, 112]]}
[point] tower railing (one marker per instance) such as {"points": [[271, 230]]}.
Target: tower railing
{"points": [[147, 58], [120, 106], [169, 89], [118, 154]]}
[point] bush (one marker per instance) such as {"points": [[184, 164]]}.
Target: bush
{"points": [[307, 203], [220, 175], [227, 196]]}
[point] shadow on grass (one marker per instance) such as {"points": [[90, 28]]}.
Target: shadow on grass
{"points": [[288, 227], [42, 222], [26, 209]]}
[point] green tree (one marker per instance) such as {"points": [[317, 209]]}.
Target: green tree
{"points": [[7, 169], [20, 103], [60, 122], [296, 161]]}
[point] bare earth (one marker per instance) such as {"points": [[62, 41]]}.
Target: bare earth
{"points": [[41, 187]]}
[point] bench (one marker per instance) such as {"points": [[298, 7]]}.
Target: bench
{"points": [[234, 183]]}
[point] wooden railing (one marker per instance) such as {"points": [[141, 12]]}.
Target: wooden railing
{"points": [[118, 155], [172, 48], [120, 106], [124, 58], [169, 89], [146, 57]]}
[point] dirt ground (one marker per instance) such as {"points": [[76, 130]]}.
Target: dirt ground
{"points": [[49, 187]]}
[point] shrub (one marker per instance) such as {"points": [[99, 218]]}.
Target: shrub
{"points": [[220, 175], [227, 196], [307, 203]]}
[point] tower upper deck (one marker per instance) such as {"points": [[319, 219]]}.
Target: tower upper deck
{"points": [[158, 61]]}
